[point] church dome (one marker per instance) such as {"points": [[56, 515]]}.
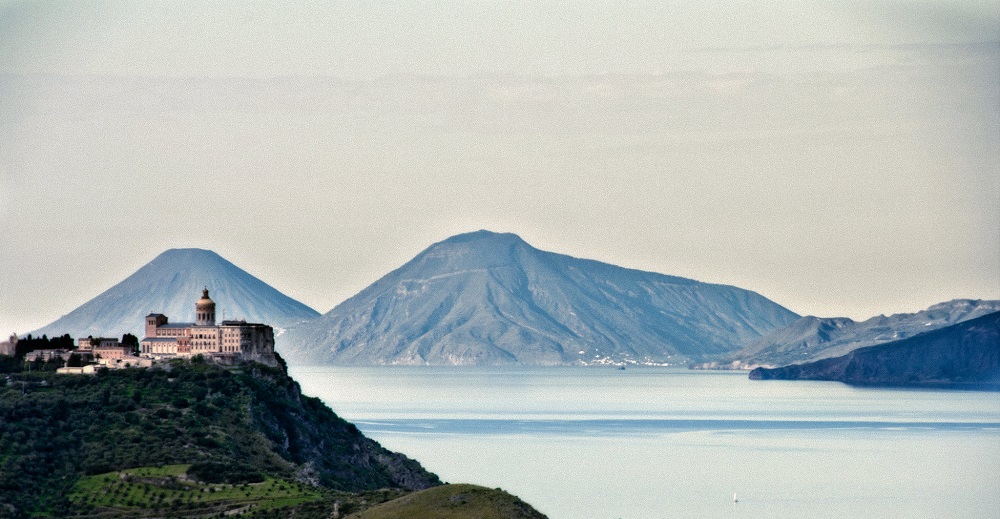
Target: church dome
{"points": [[204, 310], [205, 300]]}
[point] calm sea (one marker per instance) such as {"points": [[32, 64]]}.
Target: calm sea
{"points": [[580, 443]]}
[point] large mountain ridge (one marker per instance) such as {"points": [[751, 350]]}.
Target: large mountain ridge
{"points": [[491, 298], [170, 284], [963, 355], [813, 338]]}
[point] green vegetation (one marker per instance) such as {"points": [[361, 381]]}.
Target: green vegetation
{"points": [[453, 502], [170, 491], [248, 427]]}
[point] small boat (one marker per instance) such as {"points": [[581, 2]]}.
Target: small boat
{"points": [[735, 499]]}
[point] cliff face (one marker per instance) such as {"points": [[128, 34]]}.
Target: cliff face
{"points": [[321, 445], [962, 355]]}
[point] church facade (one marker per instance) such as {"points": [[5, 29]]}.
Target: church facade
{"points": [[232, 339]]}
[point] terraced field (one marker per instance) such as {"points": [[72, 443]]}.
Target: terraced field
{"points": [[169, 491]]}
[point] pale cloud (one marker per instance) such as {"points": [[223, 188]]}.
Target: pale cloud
{"points": [[843, 166]]}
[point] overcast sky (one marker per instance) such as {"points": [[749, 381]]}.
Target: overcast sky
{"points": [[840, 158]]}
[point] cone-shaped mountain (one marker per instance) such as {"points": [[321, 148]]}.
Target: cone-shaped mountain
{"points": [[170, 285], [488, 298]]}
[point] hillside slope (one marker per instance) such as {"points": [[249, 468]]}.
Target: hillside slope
{"points": [[488, 298], [962, 355], [170, 284], [55, 429], [453, 502], [813, 338]]}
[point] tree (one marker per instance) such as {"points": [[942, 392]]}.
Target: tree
{"points": [[131, 342], [63, 342], [75, 361]]}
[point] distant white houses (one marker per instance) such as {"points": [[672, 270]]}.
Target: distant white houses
{"points": [[47, 355], [114, 361], [128, 361], [89, 369]]}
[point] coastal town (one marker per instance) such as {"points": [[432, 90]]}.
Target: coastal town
{"points": [[227, 342]]}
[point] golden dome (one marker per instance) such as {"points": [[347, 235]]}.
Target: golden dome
{"points": [[205, 300]]}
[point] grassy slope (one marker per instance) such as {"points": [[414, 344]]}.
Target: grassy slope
{"points": [[153, 491], [453, 502], [168, 492]]}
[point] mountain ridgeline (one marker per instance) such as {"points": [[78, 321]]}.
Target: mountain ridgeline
{"points": [[964, 355], [170, 284], [814, 338], [488, 298]]}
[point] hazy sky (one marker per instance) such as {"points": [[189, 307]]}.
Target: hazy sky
{"points": [[841, 158]]}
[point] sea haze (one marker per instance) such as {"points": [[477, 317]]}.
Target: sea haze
{"points": [[662, 442]]}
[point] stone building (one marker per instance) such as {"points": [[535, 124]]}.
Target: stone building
{"points": [[91, 344], [230, 339], [111, 350]]}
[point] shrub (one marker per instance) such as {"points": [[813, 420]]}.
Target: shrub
{"points": [[217, 472]]}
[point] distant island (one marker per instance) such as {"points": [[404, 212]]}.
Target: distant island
{"points": [[480, 298], [964, 355], [486, 298], [814, 338]]}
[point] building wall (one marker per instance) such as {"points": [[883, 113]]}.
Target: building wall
{"points": [[205, 339], [110, 352], [158, 347], [152, 322]]}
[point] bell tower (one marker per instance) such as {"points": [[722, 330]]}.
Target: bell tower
{"points": [[204, 310]]}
